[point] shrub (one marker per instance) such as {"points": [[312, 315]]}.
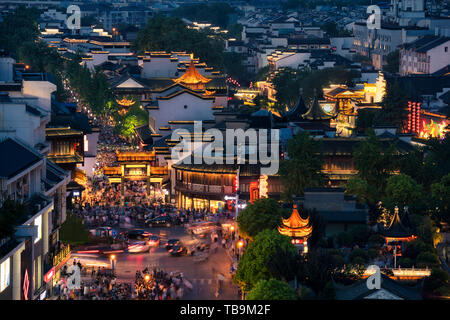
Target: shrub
{"points": [[359, 253], [376, 241], [437, 280], [345, 239], [427, 259], [405, 262], [373, 253]]}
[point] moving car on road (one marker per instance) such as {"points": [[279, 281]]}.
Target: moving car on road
{"points": [[177, 250], [172, 242], [138, 247], [138, 241], [202, 228], [153, 240], [137, 234], [159, 221]]}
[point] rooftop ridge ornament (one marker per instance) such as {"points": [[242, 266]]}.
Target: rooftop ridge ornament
{"points": [[126, 102]]}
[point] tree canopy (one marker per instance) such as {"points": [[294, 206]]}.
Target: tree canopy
{"points": [[374, 162], [217, 14], [18, 27], [171, 34], [271, 289], [263, 214], [402, 190], [11, 212], [270, 255], [288, 81], [392, 62], [73, 231], [303, 164]]}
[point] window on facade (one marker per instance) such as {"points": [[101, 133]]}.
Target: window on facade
{"points": [[38, 223], [5, 274]]}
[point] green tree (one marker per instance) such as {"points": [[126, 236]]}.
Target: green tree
{"points": [[172, 34], [235, 31], [217, 14], [374, 162], [270, 255], [287, 86], [394, 104], [303, 165], [11, 213], [414, 248], [366, 119], [332, 29], [425, 228], [262, 74], [437, 281], [392, 62], [402, 190], [263, 214], [345, 239], [73, 231], [436, 159], [440, 192], [427, 259], [233, 64], [271, 289], [19, 27], [361, 189], [359, 253], [317, 268]]}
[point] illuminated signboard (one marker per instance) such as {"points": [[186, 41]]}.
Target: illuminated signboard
{"points": [[263, 186], [432, 129], [26, 285], [49, 275]]}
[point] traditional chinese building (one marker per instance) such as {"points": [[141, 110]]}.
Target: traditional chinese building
{"points": [[398, 232], [137, 166], [297, 228], [67, 147], [317, 113], [192, 78], [213, 187]]}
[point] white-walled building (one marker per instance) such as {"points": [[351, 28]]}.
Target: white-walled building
{"points": [[425, 55], [26, 176]]}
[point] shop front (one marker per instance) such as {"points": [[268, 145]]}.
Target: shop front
{"points": [[53, 276]]}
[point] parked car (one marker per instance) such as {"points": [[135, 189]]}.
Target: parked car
{"points": [[159, 221], [172, 242], [177, 250]]}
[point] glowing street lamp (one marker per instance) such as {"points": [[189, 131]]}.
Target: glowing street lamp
{"points": [[112, 258], [240, 244]]}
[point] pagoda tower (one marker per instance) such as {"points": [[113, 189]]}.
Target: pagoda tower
{"points": [[192, 78], [297, 228]]}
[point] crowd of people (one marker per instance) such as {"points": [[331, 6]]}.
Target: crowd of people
{"points": [[103, 285], [157, 284], [109, 141]]}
